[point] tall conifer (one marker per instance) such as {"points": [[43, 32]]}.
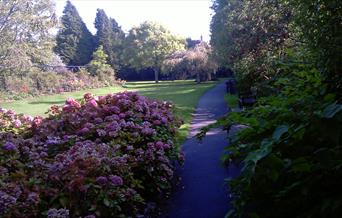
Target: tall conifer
{"points": [[110, 36], [75, 43]]}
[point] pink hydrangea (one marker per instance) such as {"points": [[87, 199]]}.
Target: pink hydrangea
{"points": [[17, 123], [104, 145]]}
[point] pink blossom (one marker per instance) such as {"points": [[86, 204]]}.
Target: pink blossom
{"points": [[156, 122], [17, 123], [92, 103]]}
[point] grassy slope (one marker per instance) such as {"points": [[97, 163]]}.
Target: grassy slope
{"points": [[184, 94]]}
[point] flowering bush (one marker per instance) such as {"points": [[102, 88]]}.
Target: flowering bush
{"points": [[38, 83], [12, 122], [105, 156]]}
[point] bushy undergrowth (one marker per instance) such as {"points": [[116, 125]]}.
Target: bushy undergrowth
{"points": [[40, 83], [105, 156], [290, 149], [290, 152]]}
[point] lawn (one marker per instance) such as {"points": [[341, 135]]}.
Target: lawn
{"points": [[185, 94]]}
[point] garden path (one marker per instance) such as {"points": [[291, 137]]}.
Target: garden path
{"points": [[202, 192]]}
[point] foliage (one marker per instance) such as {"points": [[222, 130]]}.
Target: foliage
{"points": [[232, 100], [110, 36], [105, 156], [19, 50], [166, 91], [194, 61], [249, 35], [290, 147], [38, 83], [200, 62], [99, 63], [14, 123], [147, 45], [176, 66], [320, 23], [75, 43]]}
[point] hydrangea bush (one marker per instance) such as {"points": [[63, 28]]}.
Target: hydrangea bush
{"points": [[105, 156]]}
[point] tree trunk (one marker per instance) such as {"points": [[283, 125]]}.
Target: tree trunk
{"points": [[209, 76], [198, 79], [156, 76], [3, 83]]}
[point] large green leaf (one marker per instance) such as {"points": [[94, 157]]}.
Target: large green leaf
{"points": [[331, 110], [280, 130]]}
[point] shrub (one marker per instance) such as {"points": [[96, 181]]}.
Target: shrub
{"points": [[39, 83], [290, 153], [105, 156]]}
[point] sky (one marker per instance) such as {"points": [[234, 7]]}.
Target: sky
{"points": [[187, 18]]}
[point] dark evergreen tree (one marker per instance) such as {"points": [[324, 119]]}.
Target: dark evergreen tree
{"points": [[110, 36], [75, 43]]}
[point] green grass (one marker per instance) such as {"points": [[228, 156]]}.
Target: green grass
{"points": [[232, 100], [39, 105], [184, 94]]}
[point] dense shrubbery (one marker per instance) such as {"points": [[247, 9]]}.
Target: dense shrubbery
{"points": [[290, 151], [105, 157], [38, 83]]}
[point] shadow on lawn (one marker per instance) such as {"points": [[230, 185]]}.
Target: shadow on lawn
{"points": [[151, 85], [47, 102]]}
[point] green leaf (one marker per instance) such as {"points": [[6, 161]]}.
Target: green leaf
{"points": [[280, 130], [253, 157], [106, 202], [274, 175], [63, 201], [230, 213], [331, 110], [301, 165]]}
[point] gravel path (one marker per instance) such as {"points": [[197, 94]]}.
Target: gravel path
{"points": [[202, 192]]}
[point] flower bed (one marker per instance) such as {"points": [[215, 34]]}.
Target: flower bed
{"points": [[105, 156]]}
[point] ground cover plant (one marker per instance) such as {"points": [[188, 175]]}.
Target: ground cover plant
{"points": [[99, 157]]}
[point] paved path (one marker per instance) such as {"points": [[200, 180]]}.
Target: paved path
{"points": [[202, 192]]}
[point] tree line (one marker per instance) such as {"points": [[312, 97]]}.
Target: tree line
{"points": [[149, 46], [29, 47]]}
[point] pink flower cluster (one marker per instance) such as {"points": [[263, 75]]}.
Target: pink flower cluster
{"points": [[105, 156], [10, 121]]}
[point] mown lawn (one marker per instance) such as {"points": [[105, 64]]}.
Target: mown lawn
{"points": [[185, 94]]}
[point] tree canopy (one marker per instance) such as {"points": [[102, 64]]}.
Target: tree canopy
{"points": [[110, 35], [195, 61], [25, 39], [149, 44]]}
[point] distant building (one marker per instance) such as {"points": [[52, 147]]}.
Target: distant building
{"points": [[192, 43]]}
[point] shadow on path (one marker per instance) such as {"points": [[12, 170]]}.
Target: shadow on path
{"points": [[202, 192]]}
